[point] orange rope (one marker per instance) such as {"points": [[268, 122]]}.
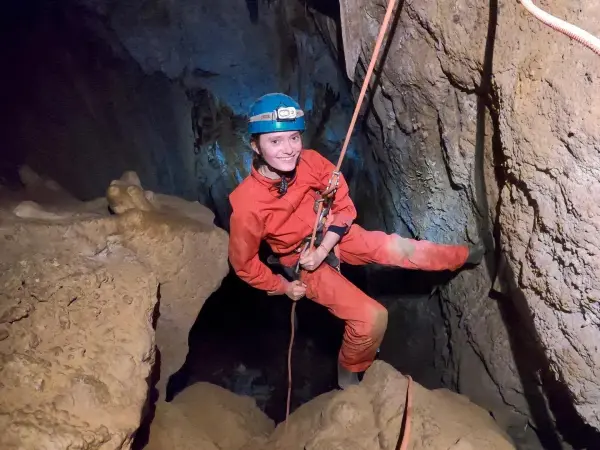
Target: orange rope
{"points": [[334, 177], [289, 366]]}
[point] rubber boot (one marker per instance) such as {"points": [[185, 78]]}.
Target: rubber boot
{"points": [[346, 378]]}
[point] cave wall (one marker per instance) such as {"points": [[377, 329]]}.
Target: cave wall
{"points": [[79, 109], [261, 47], [162, 88], [136, 85], [484, 120]]}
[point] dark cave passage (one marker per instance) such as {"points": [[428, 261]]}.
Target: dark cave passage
{"points": [[240, 342], [241, 336]]}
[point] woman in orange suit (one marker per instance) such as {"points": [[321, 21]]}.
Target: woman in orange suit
{"points": [[276, 204]]}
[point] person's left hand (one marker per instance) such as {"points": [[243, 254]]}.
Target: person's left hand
{"points": [[312, 259]]}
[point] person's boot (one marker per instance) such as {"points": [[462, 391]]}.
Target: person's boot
{"points": [[346, 378], [476, 254]]}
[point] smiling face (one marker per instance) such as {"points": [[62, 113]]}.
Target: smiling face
{"points": [[280, 149]]}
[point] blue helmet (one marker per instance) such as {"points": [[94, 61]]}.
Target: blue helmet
{"points": [[275, 112]]}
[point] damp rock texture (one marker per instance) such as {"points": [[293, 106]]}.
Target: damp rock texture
{"points": [[79, 295], [208, 417], [369, 417], [485, 119], [76, 335], [177, 241]]}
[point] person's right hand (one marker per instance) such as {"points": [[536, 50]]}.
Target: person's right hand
{"points": [[296, 290]]}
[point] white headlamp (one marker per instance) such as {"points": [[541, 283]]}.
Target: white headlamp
{"points": [[286, 113]]}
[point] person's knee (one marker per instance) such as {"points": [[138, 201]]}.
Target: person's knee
{"points": [[401, 247], [379, 320]]}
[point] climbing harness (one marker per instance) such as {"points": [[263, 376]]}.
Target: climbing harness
{"points": [[323, 204]]}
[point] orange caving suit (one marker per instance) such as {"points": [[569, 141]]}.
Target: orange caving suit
{"points": [[259, 212]]}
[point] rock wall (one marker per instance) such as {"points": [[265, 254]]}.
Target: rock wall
{"points": [[79, 109], [484, 119], [370, 416], [77, 337], [82, 292]]}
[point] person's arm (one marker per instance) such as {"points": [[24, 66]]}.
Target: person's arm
{"points": [[329, 241], [246, 233], [310, 260]]}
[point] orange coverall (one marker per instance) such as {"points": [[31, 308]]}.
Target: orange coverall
{"points": [[259, 212]]}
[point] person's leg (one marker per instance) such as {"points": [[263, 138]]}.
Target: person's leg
{"points": [[360, 246], [365, 319]]}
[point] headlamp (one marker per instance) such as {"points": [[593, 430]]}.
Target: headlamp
{"points": [[286, 113]]}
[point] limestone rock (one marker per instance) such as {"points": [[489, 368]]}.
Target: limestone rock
{"points": [[79, 290], [178, 242], [205, 416], [369, 417], [485, 115], [76, 338]]}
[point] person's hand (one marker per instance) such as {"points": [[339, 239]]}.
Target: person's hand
{"points": [[312, 259], [295, 290]]}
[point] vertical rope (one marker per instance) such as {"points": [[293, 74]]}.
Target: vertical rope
{"points": [[333, 181]]}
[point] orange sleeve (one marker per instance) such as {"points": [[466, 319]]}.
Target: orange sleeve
{"points": [[245, 235], [343, 210]]}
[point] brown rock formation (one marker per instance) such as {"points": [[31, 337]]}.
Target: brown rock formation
{"points": [[208, 417], [178, 242], [487, 116], [78, 294], [369, 417]]}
